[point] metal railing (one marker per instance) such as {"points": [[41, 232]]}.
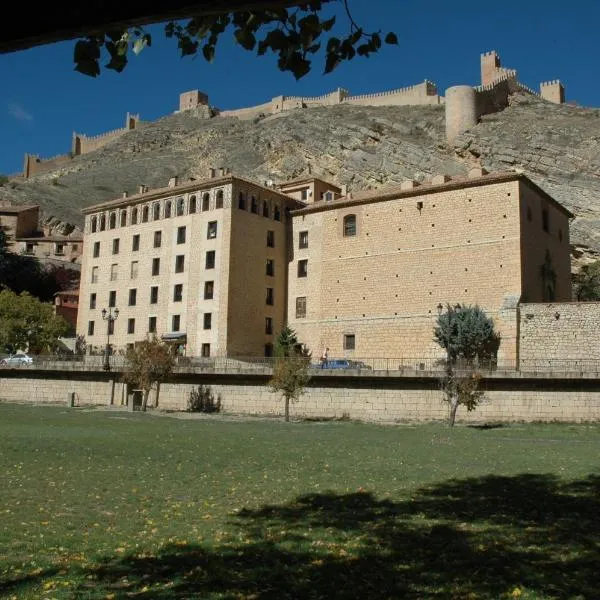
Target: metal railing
{"points": [[364, 366]]}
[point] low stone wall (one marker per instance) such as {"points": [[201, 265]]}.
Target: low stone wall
{"points": [[382, 398]]}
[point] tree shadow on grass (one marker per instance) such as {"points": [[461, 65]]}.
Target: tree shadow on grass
{"points": [[470, 538]]}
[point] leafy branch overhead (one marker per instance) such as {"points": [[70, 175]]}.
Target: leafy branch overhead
{"points": [[294, 35]]}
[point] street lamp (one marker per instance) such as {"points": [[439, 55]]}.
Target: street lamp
{"points": [[110, 318]]}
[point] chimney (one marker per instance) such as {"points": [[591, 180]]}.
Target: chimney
{"points": [[211, 173], [142, 188], [408, 184], [222, 171], [437, 179], [173, 182], [477, 172], [344, 189], [124, 195]]}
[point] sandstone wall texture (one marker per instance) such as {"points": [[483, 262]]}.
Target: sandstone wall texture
{"points": [[387, 401], [556, 332]]}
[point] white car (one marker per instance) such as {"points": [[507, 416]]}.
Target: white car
{"points": [[17, 360]]}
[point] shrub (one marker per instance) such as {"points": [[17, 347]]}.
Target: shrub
{"points": [[203, 400]]}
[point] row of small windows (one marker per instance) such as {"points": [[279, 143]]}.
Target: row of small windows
{"points": [[252, 204], [175, 324], [209, 263], [158, 210], [211, 234]]}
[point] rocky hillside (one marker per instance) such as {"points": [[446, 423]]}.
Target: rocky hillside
{"points": [[364, 147]]}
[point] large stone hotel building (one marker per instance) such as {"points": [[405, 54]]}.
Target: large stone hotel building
{"points": [[220, 265]]}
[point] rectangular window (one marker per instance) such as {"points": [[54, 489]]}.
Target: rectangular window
{"points": [[270, 297], [114, 271], [205, 350], [154, 294], [268, 350], [112, 299], [270, 239], [96, 249], [349, 341], [94, 274], [302, 268], [130, 325], [151, 324], [178, 292], [209, 290], [133, 272], [116, 243], [155, 266], [59, 249], [157, 239], [207, 320], [93, 300], [270, 267], [210, 259], [111, 326], [268, 325], [135, 242], [211, 232], [175, 322], [179, 263], [304, 194], [181, 235], [91, 327], [301, 307], [30, 248], [303, 239], [132, 297], [545, 219]]}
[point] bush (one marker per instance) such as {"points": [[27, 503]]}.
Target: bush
{"points": [[203, 400]]}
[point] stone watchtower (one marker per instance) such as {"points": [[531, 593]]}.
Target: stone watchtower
{"points": [[192, 99], [490, 63], [553, 91]]}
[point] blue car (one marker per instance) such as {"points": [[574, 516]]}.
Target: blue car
{"points": [[342, 363]]}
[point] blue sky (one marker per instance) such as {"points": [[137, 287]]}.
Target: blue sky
{"points": [[42, 99]]}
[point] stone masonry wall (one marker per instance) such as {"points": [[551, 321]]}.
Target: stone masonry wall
{"points": [[560, 331], [510, 399]]}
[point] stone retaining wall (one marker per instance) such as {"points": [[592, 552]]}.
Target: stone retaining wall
{"points": [[377, 399]]}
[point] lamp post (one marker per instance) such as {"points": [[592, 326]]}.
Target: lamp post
{"points": [[110, 318]]}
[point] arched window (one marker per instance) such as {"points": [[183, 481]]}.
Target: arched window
{"points": [[242, 201], [349, 225], [123, 218], [192, 205], [167, 209], [112, 220], [156, 211], [219, 201], [265, 209], [145, 213], [180, 207], [94, 224], [205, 202], [134, 216], [276, 213], [253, 205], [102, 222]]}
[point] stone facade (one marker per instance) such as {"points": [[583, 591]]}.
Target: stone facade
{"points": [[368, 271], [559, 333], [204, 262]]}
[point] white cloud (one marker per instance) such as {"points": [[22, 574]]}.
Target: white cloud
{"points": [[19, 113]]}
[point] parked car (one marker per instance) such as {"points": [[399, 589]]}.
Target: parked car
{"points": [[342, 363], [17, 360]]}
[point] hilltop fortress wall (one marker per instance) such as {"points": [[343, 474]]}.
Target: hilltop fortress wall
{"points": [[464, 106]]}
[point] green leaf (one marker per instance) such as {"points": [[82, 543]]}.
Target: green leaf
{"points": [[327, 25], [209, 52], [86, 56], [245, 38], [333, 45], [333, 60], [391, 38]]}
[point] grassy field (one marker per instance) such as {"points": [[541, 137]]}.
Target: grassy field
{"points": [[100, 504]]}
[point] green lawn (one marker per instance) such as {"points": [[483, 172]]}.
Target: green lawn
{"points": [[99, 504]]}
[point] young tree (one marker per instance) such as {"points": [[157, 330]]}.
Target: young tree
{"points": [[290, 372], [468, 336], [148, 363], [28, 324]]}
